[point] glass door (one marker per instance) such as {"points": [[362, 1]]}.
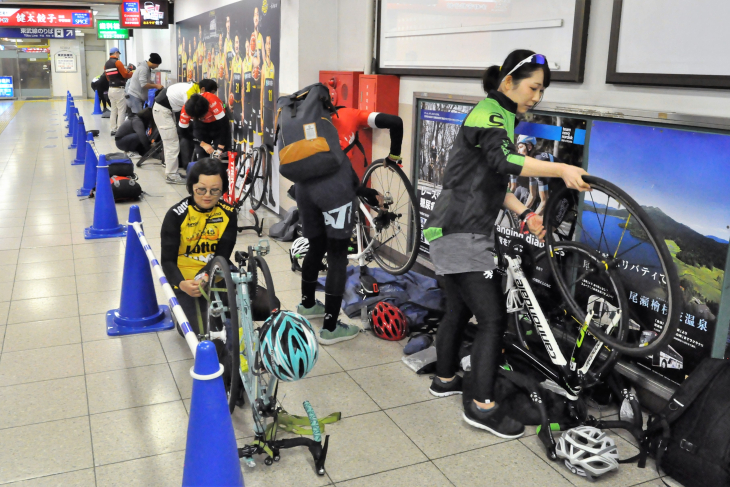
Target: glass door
{"points": [[35, 73]]}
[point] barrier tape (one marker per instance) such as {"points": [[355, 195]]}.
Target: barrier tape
{"points": [[177, 310]]}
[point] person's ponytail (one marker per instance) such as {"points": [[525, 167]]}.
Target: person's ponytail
{"points": [[490, 78]]}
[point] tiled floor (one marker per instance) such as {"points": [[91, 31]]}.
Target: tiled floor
{"points": [[78, 408]]}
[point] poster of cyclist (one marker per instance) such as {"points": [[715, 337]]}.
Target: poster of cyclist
{"points": [[238, 46], [681, 180]]}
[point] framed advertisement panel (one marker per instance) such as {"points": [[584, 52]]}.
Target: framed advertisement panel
{"points": [[238, 46], [655, 160]]}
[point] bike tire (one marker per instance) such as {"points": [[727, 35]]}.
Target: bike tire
{"points": [[407, 254], [262, 155], [557, 208], [264, 302], [255, 170], [220, 268]]}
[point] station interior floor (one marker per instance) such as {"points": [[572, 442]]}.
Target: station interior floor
{"points": [[78, 408]]}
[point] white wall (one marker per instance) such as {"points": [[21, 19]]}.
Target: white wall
{"points": [[63, 82]]}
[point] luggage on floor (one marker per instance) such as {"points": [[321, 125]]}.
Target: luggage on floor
{"points": [[119, 164], [125, 188]]}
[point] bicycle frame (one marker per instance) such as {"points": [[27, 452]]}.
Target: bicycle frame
{"points": [[568, 376]]}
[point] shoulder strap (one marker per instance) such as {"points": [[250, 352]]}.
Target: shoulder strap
{"points": [[691, 388], [356, 143]]}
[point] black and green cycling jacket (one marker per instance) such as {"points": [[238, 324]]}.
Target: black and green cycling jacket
{"points": [[480, 162]]}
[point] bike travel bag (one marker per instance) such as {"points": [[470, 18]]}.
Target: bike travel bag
{"points": [[690, 437], [308, 142], [119, 164]]}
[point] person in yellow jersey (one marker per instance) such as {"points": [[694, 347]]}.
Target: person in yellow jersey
{"points": [[191, 63], [200, 53], [248, 95], [257, 62], [221, 68], [194, 60], [180, 50], [235, 94], [268, 103], [194, 232], [229, 52], [183, 60]]}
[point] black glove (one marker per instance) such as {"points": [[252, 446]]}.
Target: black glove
{"points": [[368, 194]]}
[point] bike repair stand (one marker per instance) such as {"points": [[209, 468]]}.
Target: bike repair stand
{"points": [[257, 227]]}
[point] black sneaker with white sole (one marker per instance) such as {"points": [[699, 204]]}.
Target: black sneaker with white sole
{"points": [[440, 388], [494, 420]]}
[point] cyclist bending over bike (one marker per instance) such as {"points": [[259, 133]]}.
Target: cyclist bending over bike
{"points": [[194, 231], [326, 208], [460, 230]]}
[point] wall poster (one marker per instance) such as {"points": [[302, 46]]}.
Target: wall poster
{"points": [[238, 46], [680, 178]]}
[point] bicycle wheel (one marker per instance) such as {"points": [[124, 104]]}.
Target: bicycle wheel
{"points": [[252, 168], [631, 249], [258, 193], [396, 227], [223, 314], [506, 219]]}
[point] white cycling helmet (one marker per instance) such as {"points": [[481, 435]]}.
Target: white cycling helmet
{"points": [[299, 248], [587, 451]]}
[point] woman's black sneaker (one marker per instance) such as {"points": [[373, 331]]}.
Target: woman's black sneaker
{"points": [[494, 420], [440, 388]]}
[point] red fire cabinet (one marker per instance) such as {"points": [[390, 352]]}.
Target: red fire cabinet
{"points": [[343, 86]]}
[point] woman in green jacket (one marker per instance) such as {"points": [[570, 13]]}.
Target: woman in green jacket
{"points": [[461, 230]]}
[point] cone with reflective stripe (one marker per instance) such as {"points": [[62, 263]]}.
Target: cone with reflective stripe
{"points": [[106, 224], [80, 144], [138, 310], [97, 104], [89, 168], [211, 453]]}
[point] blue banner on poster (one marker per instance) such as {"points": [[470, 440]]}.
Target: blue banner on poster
{"points": [[552, 132], [6, 87], [37, 33], [446, 117]]}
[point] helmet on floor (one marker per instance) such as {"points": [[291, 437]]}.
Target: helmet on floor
{"points": [[388, 322], [299, 248], [587, 451], [289, 347]]}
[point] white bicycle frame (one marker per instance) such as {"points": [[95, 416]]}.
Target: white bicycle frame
{"points": [[520, 296]]}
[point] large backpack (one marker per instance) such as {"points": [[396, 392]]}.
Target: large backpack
{"points": [[309, 145], [690, 437]]}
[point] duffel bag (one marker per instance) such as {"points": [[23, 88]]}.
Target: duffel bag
{"points": [[119, 164], [125, 188]]}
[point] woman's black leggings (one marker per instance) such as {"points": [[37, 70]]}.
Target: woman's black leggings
{"points": [[478, 294], [334, 288]]}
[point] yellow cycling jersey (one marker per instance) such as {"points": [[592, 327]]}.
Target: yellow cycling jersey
{"points": [[198, 234], [237, 81]]}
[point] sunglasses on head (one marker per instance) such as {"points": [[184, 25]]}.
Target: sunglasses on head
{"points": [[534, 59]]}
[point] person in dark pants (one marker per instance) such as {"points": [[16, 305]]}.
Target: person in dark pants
{"points": [[101, 86], [194, 231], [132, 135], [205, 114]]}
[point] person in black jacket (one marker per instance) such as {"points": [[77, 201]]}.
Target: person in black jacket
{"points": [[101, 86], [133, 136], [196, 230]]}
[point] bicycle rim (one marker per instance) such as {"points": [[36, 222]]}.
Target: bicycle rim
{"points": [[397, 231], [623, 236], [579, 266], [258, 194], [220, 285]]}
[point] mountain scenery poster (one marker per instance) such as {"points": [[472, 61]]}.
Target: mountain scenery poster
{"points": [[681, 179]]}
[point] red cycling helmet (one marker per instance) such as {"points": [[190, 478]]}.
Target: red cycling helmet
{"points": [[388, 322]]}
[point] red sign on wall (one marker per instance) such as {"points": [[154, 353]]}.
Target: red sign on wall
{"points": [[144, 14], [45, 17]]}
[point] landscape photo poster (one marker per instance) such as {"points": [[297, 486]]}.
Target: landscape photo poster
{"points": [[681, 179], [238, 46]]}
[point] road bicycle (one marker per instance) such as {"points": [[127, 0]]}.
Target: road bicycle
{"points": [[240, 296], [249, 175], [573, 337]]}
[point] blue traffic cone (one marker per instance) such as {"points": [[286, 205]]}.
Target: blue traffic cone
{"points": [[89, 168], [97, 104], [106, 224], [78, 126], [70, 126], [68, 104], [80, 144], [211, 453], [138, 311]]}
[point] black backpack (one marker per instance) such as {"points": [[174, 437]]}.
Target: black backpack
{"points": [[119, 164], [309, 145], [690, 437], [125, 188]]}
